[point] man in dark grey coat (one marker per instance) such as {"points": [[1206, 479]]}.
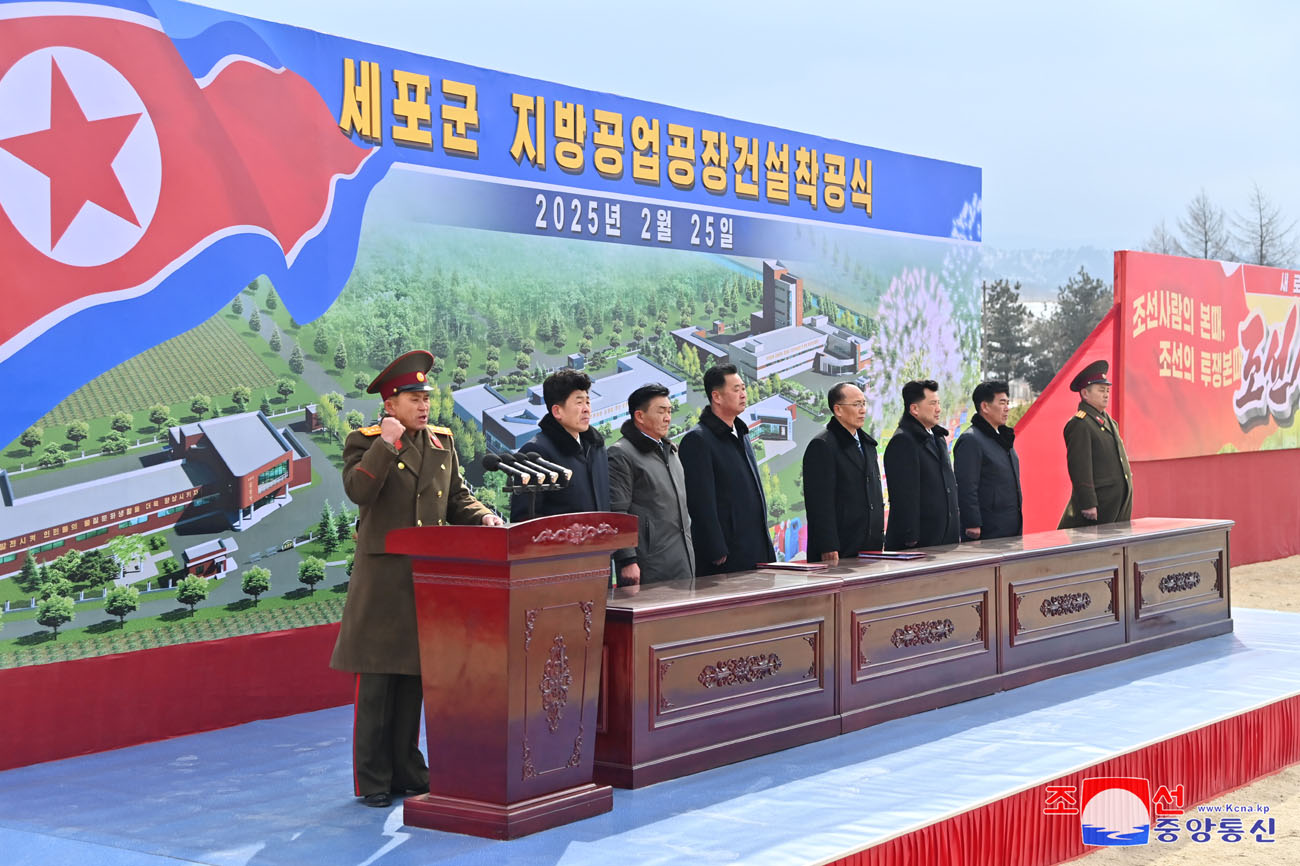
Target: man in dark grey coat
{"points": [[988, 468], [841, 482], [567, 438], [723, 492], [646, 479], [922, 487]]}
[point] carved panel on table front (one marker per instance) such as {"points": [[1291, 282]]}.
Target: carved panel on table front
{"points": [[719, 673], [1056, 604], [921, 632], [744, 669], [1170, 583], [1065, 604]]}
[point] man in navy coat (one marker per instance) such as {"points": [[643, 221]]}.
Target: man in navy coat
{"points": [[988, 468], [922, 487], [723, 492], [567, 438]]}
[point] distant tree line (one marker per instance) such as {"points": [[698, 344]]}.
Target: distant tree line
{"points": [[1018, 345], [1259, 234]]}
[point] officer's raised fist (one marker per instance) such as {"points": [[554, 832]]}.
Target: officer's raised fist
{"points": [[391, 429]]}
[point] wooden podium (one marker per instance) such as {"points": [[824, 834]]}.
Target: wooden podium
{"points": [[511, 622]]}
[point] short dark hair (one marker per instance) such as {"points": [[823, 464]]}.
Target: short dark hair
{"points": [[987, 392], [836, 394], [641, 397], [715, 378], [560, 384], [914, 391]]}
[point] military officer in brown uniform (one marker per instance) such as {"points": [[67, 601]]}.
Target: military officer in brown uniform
{"points": [[400, 472], [1099, 472]]}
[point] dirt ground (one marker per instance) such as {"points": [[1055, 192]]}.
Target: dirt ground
{"points": [[1273, 586]]}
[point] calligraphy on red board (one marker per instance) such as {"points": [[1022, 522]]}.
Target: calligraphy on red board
{"points": [[1206, 361], [1270, 378]]}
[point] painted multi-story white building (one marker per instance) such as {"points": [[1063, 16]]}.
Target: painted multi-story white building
{"points": [[781, 341]]}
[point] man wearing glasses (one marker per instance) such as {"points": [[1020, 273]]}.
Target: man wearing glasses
{"points": [[841, 483], [988, 468]]}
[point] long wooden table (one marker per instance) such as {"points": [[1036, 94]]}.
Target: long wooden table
{"points": [[702, 672]]}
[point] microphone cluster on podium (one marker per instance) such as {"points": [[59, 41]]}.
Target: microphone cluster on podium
{"points": [[529, 473]]}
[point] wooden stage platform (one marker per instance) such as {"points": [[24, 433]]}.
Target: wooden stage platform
{"points": [[967, 776], [277, 792]]}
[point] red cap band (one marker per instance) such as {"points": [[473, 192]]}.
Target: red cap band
{"points": [[397, 383]]}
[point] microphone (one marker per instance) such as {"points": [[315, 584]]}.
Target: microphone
{"points": [[526, 463], [523, 468], [546, 464], [494, 463]]}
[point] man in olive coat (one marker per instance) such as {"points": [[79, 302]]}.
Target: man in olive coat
{"points": [[1100, 479], [922, 487], [841, 482], [401, 472], [988, 468], [646, 479]]}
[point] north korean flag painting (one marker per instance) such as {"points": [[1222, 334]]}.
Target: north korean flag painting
{"points": [[142, 185]]}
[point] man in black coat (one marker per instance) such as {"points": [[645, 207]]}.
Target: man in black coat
{"points": [[988, 468], [922, 487], [723, 492], [841, 482], [566, 438]]}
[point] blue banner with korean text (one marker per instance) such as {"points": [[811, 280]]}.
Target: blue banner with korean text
{"points": [[210, 218]]}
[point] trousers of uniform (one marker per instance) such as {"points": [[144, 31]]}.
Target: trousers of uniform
{"points": [[386, 735]]}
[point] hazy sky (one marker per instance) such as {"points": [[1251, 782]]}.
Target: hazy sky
{"points": [[1091, 121]]}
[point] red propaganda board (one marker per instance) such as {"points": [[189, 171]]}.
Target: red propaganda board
{"points": [[1208, 355]]}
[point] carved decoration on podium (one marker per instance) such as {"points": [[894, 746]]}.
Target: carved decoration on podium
{"points": [[921, 633], [576, 757], [812, 666], [587, 607], [530, 770], [556, 679], [1065, 604], [530, 622], [574, 533], [664, 703], [1180, 581], [746, 669]]}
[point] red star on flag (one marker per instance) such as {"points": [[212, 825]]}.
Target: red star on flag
{"points": [[77, 155]]}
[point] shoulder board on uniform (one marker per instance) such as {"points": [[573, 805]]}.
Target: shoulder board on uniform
{"points": [[370, 431], [441, 431], [1081, 414]]}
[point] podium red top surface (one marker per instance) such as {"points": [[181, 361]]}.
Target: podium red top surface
{"points": [[556, 536]]}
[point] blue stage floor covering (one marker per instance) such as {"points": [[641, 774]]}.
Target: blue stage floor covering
{"points": [[277, 792]]}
